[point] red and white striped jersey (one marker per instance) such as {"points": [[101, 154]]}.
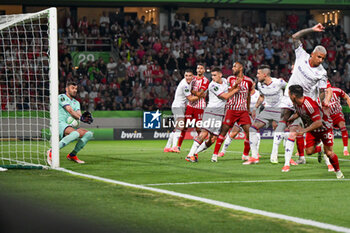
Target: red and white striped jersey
{"points": [[148, 76], [309, 111], [198, 84], [238, 101], [334, 105]]}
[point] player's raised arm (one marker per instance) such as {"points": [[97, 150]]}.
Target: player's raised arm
{"points": [[296, 36]]}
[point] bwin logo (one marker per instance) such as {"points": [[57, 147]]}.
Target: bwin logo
{"points": [[151, 120]]}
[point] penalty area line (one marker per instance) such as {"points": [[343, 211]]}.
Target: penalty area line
{"points": [[216, 203], [245, 181]]}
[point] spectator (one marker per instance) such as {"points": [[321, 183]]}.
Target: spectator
{"points": [[111, 66], [121, 72], [104, 23], [83, 26]]}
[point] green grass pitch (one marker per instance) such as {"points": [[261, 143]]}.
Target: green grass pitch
{"points": [[143, 162]]}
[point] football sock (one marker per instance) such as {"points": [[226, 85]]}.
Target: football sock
{"points": [[288, 151], [227, 142], [170, 140], [253, 140], [202, 147], [194, 147], [82, 142], [277, 137], [176, 137], [259, 139], [326, 159], [68, 139], [246, 147], [345, 137], [218, 144], [334, 161], [300, 145], [181, 138]]}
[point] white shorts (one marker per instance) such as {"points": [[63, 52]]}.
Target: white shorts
{"points": [[269, 115], [178, 112], [286, 102], [212, 123]]}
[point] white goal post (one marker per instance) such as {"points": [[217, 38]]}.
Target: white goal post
{"points": [[29, 89]]}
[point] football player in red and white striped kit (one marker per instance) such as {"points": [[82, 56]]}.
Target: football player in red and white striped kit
{"points": [[195, 110], [335, 110], [237, 108], [318, 127]]}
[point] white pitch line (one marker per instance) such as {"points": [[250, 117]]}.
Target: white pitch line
{"points": [[217, 203], [245, 181]]}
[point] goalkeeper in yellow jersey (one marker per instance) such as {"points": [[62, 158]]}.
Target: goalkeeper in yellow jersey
{"points": [[69, 116]]}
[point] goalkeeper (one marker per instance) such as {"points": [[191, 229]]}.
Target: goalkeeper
{"points": [[70, 107]]}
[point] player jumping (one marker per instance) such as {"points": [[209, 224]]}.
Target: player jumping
{"points": [[310, 74]]}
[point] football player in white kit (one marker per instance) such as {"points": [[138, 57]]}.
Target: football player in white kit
{"points": [[310, 74], [254, 96], [271, 91], [182, 96], [213, 113]]}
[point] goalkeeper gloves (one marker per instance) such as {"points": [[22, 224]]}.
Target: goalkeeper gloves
{"points": [[86, 117]]}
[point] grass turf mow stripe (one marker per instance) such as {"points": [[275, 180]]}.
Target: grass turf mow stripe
{"points": [[217, 203], [247, 181]]}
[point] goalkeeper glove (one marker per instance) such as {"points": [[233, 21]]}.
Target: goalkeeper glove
{"points": [[86, 117]]}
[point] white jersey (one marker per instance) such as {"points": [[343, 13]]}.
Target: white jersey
{"points": [[272, 93], [216, 105], [310, 78], [253, 99], [182, 91]]}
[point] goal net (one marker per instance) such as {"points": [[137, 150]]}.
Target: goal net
{"points": [[28, 89]]}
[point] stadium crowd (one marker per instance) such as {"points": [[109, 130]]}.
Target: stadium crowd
{"points": [[151, 61]]}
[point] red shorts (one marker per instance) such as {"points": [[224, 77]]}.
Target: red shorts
{"points": [[313, 138], [194, 113], [336, 118], [233, 116]]}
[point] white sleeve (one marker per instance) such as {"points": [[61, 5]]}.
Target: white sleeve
{"points": [[283, 83], [322, 83], [300, 52], [259, 88], [186, 90]]}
